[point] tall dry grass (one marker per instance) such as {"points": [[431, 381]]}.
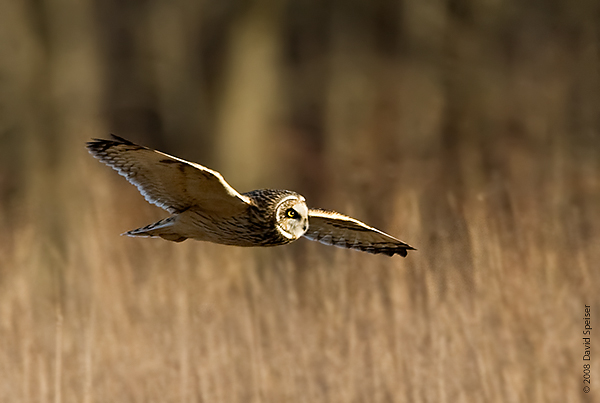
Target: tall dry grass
{"points": [[488, 309]]}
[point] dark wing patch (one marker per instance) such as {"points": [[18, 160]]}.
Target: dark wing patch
{"points": [[331, 228], [169, 182], [168, 161]]}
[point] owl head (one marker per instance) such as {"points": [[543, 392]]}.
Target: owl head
{"points": [[291, 216]]}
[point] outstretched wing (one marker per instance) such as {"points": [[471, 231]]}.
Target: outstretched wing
{"points": [[331, 228], [169, 182]]}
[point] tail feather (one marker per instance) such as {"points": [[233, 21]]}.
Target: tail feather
{"points": [[163, 228]]}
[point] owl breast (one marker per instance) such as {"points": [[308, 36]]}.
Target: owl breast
{"points": [[251, 228]]}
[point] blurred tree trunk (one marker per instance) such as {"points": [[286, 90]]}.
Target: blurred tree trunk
{"points": [[350, 96], [250, 103], [175, 36], [57, 79], [22, 113], [76, 85]]}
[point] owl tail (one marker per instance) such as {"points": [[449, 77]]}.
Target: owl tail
{"points": [[164, 228]]}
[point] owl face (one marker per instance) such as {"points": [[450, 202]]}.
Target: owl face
{"points": [[291, 217]]}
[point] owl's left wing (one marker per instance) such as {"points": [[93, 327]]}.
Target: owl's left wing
{"points": [[331, 228]]}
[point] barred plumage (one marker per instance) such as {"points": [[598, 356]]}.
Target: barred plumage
{"points": [[206, 208]]}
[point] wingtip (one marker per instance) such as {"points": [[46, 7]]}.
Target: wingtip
{"points": [[100, 145], [95, 145], [121, 140], [402, 251], [389, 251]]}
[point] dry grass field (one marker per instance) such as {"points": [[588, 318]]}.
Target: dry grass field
{"points": [[468, 129], [488, 309]]}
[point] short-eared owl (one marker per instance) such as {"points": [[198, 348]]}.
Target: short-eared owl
{"points": [[205, 207]]}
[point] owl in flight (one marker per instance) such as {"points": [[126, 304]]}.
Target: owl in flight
{"points": [[206, 208]]}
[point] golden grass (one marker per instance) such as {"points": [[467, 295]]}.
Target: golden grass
{"points": [[487, 310]]}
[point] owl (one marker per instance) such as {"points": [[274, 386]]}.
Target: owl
{"points": [[203, 206]]}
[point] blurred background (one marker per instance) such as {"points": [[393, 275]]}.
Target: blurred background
{"points": [[469, 129]]}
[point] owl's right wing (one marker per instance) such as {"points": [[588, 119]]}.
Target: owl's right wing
{"points": [[166, 181], [331, 228]]}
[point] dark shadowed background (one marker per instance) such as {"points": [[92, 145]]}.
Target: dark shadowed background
{"points": [[469, 129]]}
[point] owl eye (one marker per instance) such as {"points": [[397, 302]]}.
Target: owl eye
{"points": [[291, 213]]}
